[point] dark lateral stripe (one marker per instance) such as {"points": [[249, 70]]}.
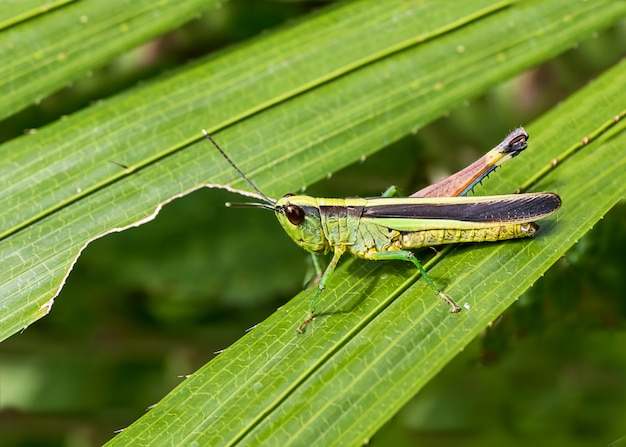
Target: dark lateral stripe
{"points": [[526, 207], [341, 211], [327, 210]]}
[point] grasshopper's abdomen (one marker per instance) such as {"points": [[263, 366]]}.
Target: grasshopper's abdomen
{"points": [[426, 238]]}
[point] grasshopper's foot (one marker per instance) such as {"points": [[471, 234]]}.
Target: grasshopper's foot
{"points": [[305, 323], [450, 301]]}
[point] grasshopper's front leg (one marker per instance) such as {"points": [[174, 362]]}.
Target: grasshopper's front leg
{"points": [[339, 250], [310, 280], [405, 255]]}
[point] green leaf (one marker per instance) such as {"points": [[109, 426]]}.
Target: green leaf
{"points": [[54, 43], [306, 101], [15, 12]]}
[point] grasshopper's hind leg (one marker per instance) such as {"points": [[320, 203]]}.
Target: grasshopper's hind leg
{"points": [[405, 255]]}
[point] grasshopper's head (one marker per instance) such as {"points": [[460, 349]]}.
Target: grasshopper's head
{"points": [[300, 217]]}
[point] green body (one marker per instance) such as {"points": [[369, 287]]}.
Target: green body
{"points": [[343, 224], [386, 228]]}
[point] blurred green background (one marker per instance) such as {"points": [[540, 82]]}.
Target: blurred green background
{"points": [[144, 307]]}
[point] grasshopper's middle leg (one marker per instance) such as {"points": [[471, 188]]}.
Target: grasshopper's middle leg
{"points": [[405, 255], [392, 191]]}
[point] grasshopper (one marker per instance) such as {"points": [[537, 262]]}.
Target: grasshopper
{"points": [[387, 228]]}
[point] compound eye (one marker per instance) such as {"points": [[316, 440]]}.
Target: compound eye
{"points": [[294, 214]]}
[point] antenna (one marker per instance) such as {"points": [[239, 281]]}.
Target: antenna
{"points": [[248, 181]]}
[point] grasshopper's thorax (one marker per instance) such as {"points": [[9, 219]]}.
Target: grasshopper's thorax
{"points": [[300, 217], [340, 220]]}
